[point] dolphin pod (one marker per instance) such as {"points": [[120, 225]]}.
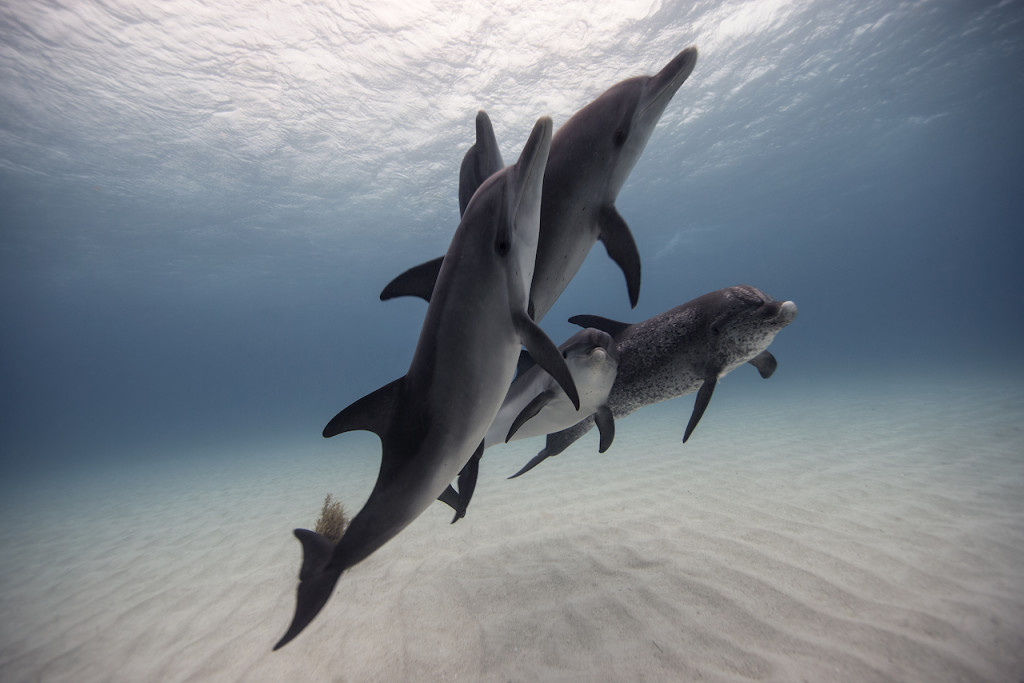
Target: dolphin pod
{"points": [[433, 420], [524, 232]]}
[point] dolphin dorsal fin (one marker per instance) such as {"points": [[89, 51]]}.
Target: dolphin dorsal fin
{"points": [[370, 413], [417, 281], [482, 160], [612, 327]]}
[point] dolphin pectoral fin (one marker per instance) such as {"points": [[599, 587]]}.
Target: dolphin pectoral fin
{"points": [[315, 585], [606, 426], [621, 247], [417, 281], [556, 443], [450, 497], [531, 410], [703, 398], [370, 413], [467, 482], [765, 364], [546, 355], [607, 325]]}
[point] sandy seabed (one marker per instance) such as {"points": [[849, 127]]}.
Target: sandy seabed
{"points": [[867, 533]]}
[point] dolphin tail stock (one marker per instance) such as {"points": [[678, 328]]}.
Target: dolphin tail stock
{"points": [[316, 582], [621, 247], [765, 363], [417, 281], [701, 404], [546, 355]]}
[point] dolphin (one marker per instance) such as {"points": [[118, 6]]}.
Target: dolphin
{"points": [[536, 405], [539, 403], [592, 155], [432, 421], [683, 350]]}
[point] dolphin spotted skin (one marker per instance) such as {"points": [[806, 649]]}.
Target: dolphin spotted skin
{"points": [[681, 351], [432, 421], [592, 155]]}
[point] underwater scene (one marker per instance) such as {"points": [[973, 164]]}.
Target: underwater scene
{"points": [[597, 341]]}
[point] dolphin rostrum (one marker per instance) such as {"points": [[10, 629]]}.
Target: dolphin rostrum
{"points": [[592, 154], [432, 421], [683, 350]]}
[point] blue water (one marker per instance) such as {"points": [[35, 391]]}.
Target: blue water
{"points": [[201, 204]]}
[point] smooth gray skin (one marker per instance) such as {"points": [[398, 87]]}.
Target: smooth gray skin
{"points": [[681, 351], [592, 154], [536, 405], [432, 421]]}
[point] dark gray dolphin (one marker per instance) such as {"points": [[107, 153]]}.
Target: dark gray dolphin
{"points": [[592, 154], [683, 350], [432, 421]]}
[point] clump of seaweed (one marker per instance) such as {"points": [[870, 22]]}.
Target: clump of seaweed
{"points": [[332, 520]]}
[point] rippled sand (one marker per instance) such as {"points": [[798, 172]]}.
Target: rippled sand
{"points": [[871, 534]]}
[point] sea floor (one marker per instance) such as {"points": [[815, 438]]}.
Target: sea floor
{"points": [[857, 531]]}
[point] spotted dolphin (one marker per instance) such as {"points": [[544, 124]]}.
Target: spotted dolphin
{"points": [[683, 350], [432, 421], [592, 155]]}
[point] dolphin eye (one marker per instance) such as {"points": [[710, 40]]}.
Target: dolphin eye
{"points": [[619, 139], [565, 354], [503, 247]]}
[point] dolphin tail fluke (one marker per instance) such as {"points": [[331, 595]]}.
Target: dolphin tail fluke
{"points": [[703, 399], [530, 411], [371, 413], [765, 363], [417, 281], [316, 582], [606, 426], [621, 247], [547, 356]]}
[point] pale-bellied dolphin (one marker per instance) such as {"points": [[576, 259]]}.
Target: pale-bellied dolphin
{"points": [[592, 154], [683, 350], [432, 421], [536, 401], [536, 405]]}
